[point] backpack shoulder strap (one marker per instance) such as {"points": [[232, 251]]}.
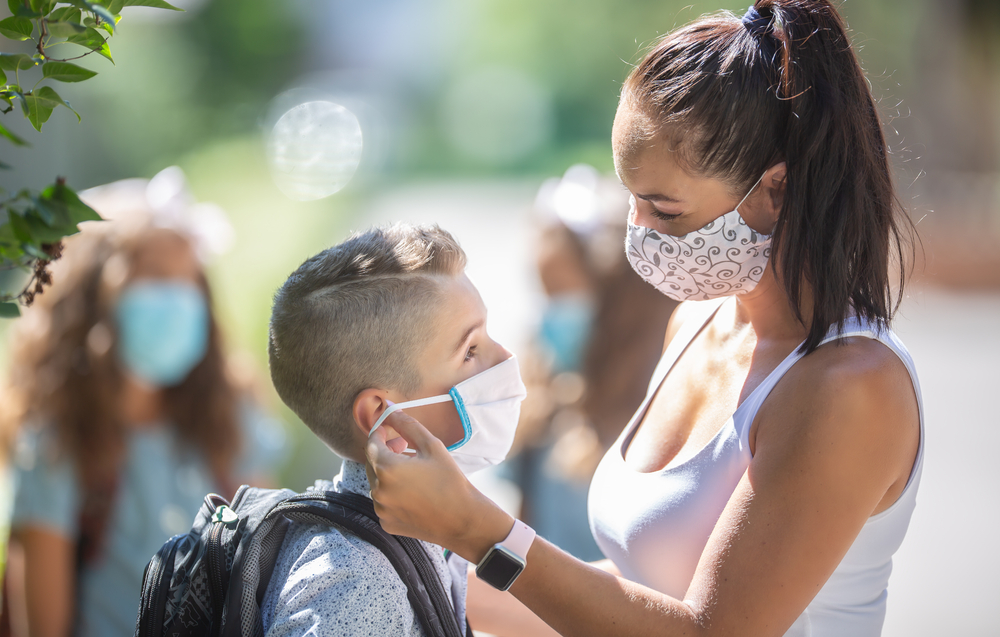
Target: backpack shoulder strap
{"points": [[426, 594]]}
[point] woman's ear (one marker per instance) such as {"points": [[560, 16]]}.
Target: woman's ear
{"points": [[368, 406], [773, 183]]}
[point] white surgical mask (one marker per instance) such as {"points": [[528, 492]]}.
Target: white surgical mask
{"points": [[723, 258], [489, 405]]}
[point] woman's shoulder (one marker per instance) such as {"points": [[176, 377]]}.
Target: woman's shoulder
{"points": [[853, 391], [857, 366]]}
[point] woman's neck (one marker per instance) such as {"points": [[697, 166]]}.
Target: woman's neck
{"points": [[141, 404], [768, 311]]}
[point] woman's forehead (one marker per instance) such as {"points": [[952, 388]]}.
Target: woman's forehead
{"points": [[165, 254]]}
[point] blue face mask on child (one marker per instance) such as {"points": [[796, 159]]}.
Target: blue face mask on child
{"points": [[163, 330], [565, 329]]}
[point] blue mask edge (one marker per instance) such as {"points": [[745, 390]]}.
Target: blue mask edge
{"points": [[463, 415]]}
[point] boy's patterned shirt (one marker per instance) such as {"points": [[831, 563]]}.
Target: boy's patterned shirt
{"points": [[329, 582]]}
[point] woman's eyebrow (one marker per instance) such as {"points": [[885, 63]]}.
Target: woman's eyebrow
{"points": [[656, 197], [465, 336]]}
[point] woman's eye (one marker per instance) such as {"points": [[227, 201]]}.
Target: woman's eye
{"points": [[664, 216], [470, 354]]}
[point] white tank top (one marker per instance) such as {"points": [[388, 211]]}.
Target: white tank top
{"points": [[654, 526]]}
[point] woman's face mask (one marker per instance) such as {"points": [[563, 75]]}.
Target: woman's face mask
{"points": [[723, 258], [163, 330], [489, 406]]}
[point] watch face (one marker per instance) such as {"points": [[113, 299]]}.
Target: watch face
{"points": [[500, 568]]}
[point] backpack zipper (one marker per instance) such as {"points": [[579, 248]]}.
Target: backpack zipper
{"points": [[215, 566]]}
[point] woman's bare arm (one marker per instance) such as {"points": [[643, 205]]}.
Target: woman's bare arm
{"points": [[500, 613], [841, 436], [43, 581]]}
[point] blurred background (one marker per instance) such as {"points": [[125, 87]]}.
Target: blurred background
{"points": [[465, 109]]}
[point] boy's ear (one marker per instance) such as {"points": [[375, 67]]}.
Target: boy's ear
{"points": [[368, 406]]}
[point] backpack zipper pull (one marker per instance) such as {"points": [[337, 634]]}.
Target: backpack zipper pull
{"points": [[225, 515]]}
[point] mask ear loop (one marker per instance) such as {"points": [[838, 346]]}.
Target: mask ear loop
{"points": [[420, 402], [756, 183]]}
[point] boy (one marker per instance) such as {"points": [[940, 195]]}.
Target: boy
{"points": [[386, 317]]}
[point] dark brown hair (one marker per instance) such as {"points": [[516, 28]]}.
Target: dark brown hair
{"points": [[65, 375], [736, 99], [353, 317]]}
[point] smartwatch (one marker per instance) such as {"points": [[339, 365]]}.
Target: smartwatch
{"points": [[504, 561]]}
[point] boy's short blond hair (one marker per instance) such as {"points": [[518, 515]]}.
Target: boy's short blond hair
{"points": [[356, 316]]}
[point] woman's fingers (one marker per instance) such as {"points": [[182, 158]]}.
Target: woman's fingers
{"points": [[407, 488], [414, 433]]}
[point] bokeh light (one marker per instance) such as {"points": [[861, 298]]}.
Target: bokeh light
{"points": [[314, 149]]}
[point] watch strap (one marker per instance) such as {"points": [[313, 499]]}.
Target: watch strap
{"points": [[519, 540]]}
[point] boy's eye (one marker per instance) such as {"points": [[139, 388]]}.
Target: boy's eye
{"points": [[471, 353]]}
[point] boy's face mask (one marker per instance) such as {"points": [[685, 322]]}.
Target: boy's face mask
{"points": [[489, 405]]}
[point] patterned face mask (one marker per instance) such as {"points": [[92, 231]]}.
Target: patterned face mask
{"points": [[723, 258]]}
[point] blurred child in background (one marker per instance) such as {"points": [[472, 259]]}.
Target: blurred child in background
{"points": [[122, 409], [600, 336]]}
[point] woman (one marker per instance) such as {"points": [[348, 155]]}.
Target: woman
{"points": [[766, 481], [126, 416]]}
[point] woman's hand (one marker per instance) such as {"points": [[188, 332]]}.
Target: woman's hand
{"points": [[425, 495]]}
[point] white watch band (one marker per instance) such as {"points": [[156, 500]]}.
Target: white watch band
{"points": [[519, 540]]}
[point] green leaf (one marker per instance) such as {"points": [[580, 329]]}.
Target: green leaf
{"points": [[104, 14], [43, 212], [10, 247], [115, 6], [41, 232], [9, 310], [14, 139], [103, 24], [15, 90], [65, 14], [66, 72], [21, 8], [41, 102], [15, 61], [93, 40], [16, 28], [34, 251], [76, 211], [65, 28], [38, 110], [159, 4], [43, 7], [19, 227]]}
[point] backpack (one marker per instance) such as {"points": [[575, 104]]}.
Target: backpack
{"points": [[211, 581]]}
